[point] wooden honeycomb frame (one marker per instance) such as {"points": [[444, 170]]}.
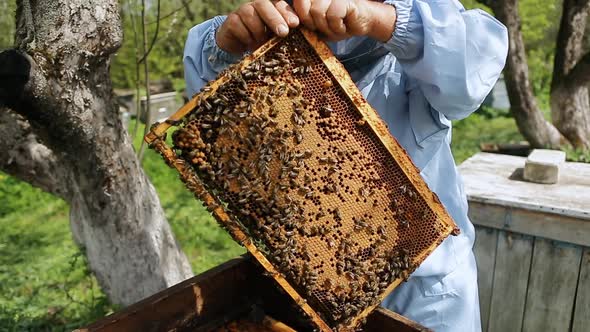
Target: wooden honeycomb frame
{"points": [[370, 120]]}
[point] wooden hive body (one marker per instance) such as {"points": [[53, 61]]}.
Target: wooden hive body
{"points": [[289, 157]]}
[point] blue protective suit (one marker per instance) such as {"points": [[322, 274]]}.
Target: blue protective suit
{"points": [[439, 65]]}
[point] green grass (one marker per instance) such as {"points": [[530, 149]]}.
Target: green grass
{"points": [[44, 282], [479, 128]]}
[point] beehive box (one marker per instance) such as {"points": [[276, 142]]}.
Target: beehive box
{"points": [[288, 156], [234, 295]]}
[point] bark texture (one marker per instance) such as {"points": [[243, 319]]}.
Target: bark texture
{"points": [[529, 118], [63, 134], [570, 105]]}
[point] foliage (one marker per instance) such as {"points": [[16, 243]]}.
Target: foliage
{"points": [[469, 133], [540, 24], [165, 60], [577, 155], [7, 26], [492, 113]]}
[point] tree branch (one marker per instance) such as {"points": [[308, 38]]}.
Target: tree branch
{"points": [[24, 157], [155, 37], [580, 73], [189, 13], [25, 90]]}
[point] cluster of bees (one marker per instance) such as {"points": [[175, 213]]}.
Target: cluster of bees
{"points": [[247, 142]]}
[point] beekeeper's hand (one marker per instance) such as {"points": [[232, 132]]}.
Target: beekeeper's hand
{"points": [[341, 19], [254, 23]]}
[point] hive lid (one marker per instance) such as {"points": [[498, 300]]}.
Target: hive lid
{"points": [[289, 157]]}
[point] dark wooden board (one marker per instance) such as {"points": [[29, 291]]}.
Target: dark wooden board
{"points": [[220, 295]]}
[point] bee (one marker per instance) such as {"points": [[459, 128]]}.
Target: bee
{"points": [[359, 224], [403, 189], [326, 111], [298, 137], [331, 188], [292, 92], [394, 204], [217, 101], [273, 111], [327, 84], [248, 75], [331, 243], [301, 301], [242, 93], [298, 120], [212, 206], [332, 169], [173, 122], [270, 63], [361, 122], [364, 192]]}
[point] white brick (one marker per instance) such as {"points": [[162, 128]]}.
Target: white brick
{"points": [[542, 166]]}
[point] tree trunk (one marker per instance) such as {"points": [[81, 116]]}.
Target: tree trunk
{"points": [[529, 118], [68, 140], [570, 105]]}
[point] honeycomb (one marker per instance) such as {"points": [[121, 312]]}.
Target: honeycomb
{"points": [[294, 163]]}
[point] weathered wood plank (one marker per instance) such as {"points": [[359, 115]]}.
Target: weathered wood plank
{"points": [[570, 196], [552, 286], [486, 240], [581, 320], [513, 258], [551, 226]]}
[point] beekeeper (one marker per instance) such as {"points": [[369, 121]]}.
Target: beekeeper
{"points": [[420, 64]]}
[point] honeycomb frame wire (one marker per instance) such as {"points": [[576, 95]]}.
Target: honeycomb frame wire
{"points": [[291, 160]]}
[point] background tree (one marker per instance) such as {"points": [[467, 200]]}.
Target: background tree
{"points": [[60, 131], [176, 19], [569, 102]]}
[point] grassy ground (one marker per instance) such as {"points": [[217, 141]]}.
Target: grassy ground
{"points": [[44, 281], [479, 128]]}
